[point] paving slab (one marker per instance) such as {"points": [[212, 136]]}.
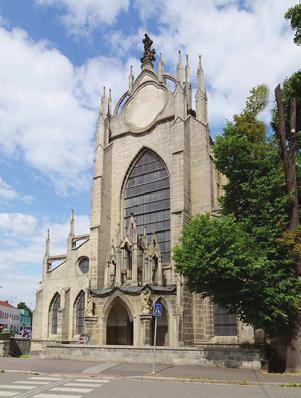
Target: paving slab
{"points": [[128, 370], [45, 365]]}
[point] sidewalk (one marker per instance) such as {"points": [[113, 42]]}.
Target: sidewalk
{"points": [[164, 372]]}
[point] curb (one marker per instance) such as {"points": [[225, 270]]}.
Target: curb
{"points": [[208, 381]]}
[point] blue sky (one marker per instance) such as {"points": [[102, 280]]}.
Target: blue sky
{"points": [[56, 55]]}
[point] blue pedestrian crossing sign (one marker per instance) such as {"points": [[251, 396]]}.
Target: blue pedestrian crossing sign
{"points": [[157, 309]]}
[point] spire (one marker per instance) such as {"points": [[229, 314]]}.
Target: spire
{"points": [[72, 223], [47, 243], [201, 96], [179, 68], [200, 76], [104, 104], [131, 79], [149, 53], [187, 70], [110, 102], [161, 68]]}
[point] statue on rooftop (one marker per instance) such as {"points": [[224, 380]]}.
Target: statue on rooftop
{"points": [[149, 54]]}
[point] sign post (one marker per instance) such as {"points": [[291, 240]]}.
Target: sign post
{"points": [[157, 311]]}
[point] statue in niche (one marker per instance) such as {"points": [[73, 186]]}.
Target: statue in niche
{"points": [[149, 54], [146, 302]]}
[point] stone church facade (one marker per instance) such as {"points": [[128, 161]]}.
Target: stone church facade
{"points": [[153, 170]]}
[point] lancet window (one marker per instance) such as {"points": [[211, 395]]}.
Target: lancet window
{"points": [[147, 196], [80, 312], [54, 307]]}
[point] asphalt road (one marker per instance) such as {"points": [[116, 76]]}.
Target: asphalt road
{"points": [[40, 386]]}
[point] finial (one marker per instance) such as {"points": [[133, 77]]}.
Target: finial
{"points": [[200, 63], [47, 245], [200, 76], [187, 70], [110, 102], [179, 67], [72, 222], [161, 68], [149, 53], [103, 105], [131, 79]]}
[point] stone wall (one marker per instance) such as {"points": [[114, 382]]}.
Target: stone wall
{"points": [[19, 346], [4, 348], [231, 355]]}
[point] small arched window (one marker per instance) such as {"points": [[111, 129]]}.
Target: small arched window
{"points": [[80, 313], [54, 307], [84, 265]]}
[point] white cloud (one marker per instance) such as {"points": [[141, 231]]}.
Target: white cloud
{"points": [[17, 224], [41, 117], [22, 248], [8, 193], [103, 71], [48, 107], [241, 46], [82, 16]]}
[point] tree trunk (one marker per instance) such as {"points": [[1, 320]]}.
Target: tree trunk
{"points": [[287, 149]]}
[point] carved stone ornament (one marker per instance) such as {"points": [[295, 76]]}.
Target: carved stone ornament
{"points": [[149, 54], [89, 307], [146, 302]]}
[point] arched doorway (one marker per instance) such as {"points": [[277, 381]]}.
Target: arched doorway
{"points": [[119, 324], [162, 327]]}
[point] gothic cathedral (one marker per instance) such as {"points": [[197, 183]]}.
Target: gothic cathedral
{"points": [[153, 170]]}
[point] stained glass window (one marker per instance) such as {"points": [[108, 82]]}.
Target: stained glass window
{"points": [[54, 307], [84, 265], [80, 313], [147, 196]]}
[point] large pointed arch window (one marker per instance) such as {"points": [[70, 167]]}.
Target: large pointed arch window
{"points": [[54, 307], [80, 313], [147, 196]]}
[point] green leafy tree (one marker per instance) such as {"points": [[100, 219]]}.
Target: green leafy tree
{"points": [[241, 260], [222, 261], [293, 14]]}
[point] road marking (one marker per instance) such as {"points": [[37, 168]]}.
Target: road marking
{"points": [[93, 381], [17, 387], [76, 384], [56, 396], [67, 389], [8, 393], [31, 382], [45, 378]]}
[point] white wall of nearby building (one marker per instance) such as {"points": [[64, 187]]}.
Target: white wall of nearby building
{"points": [[9, 316]]}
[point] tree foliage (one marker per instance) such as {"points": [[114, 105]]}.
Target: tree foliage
{"points": [[222, 261], [293, 14], [241, 260]]}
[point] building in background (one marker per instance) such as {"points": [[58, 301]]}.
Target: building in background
{"points": [[26, 319], [10, 317]]}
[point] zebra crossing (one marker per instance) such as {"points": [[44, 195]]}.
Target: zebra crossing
{"points": [[51, 387]]}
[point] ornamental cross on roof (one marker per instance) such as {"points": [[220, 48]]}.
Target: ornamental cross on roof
{"points": [[149, 54]]}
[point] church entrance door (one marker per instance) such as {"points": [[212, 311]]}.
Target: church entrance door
{"points": [[119, 324]]}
